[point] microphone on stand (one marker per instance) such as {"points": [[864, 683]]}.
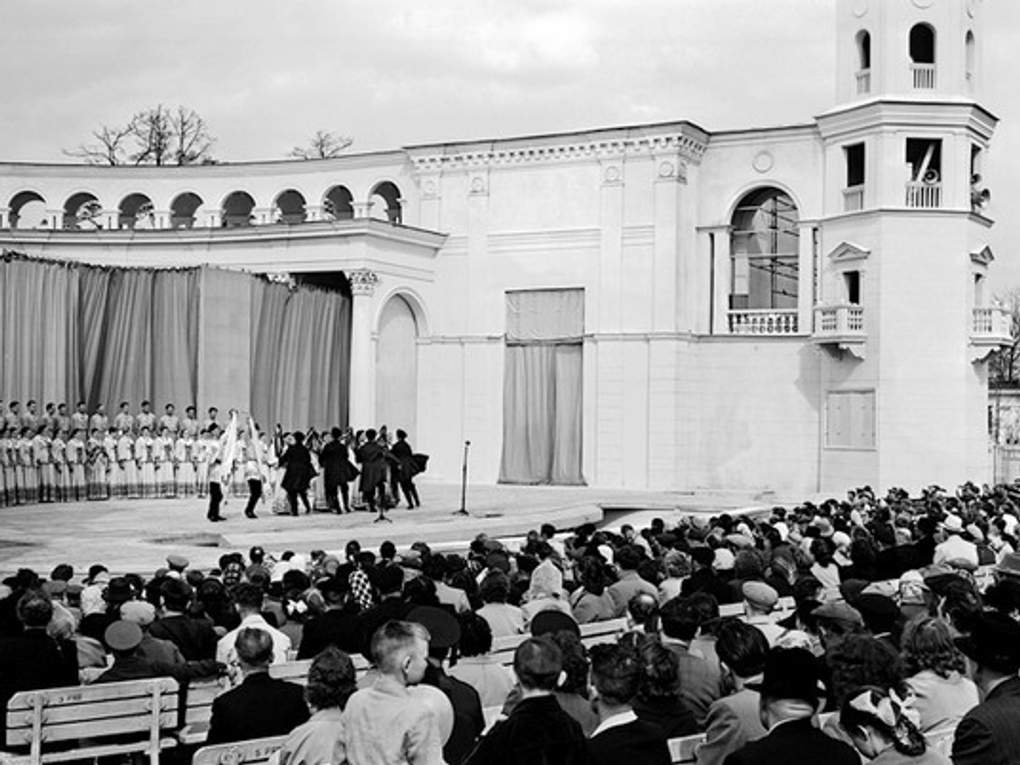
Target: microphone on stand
{"points": [[463, 482]]}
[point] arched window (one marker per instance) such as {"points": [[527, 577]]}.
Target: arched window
{"points": [[385, 198], [183, 209], [764, 251], [136, 211], [237, 209], [28, 210], [338, 204], [290, 207], [922, 56], [82, 211], [863, 61]]}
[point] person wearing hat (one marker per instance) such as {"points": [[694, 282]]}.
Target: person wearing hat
{"points": [[954, 549], [152, 649], [386, 722], [468, 722], [791, 695], [989, 733], [538, 729], [261, 705], [195, 637], [760, 601], [835, 620], [124, 637]]}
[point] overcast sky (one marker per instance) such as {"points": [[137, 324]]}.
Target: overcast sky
{"points": [[266, 75]]}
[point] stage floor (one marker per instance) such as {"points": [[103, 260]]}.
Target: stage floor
{"points": [[137, 535]]}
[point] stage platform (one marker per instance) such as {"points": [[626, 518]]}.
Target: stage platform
{"points": [[137, 535]]}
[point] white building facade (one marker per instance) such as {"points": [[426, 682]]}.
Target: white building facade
{"points": [[799, 308]]}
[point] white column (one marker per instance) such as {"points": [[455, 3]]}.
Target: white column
{"points": [[314, 213], [5, 220], [55, 218], [362, 393], [806, 279], [213, 218], [721, 265], [362, 209]]}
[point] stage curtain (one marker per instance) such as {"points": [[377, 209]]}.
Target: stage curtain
{"points": [[76, 332], [542, 388], [300, 357]]}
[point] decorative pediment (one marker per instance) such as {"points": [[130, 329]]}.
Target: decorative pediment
{"points": [[848, 251], [983, 256]]}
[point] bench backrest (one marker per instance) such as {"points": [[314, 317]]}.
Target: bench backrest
{"points": [[145, 708], [503, 648], [253, 752]]}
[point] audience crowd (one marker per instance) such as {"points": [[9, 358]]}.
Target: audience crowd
{"points": [[881, 628]]}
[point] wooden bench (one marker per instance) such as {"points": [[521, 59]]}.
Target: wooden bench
{"points": [[253, 752], [83, 722], [684, 749], [783, 608], [591, 634]]}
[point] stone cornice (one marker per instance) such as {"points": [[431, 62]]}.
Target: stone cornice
{"points": [[680, 139], [918, 114]]}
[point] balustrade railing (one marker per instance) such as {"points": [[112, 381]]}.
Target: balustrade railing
{"points": [[863, 81], [839, 321], [923, 195], [992, 323], [924, 76], [780, 321]]}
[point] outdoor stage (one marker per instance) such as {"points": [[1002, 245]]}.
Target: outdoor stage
{"points": [[137, 535]]}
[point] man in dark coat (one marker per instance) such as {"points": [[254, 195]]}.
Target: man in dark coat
{"points": [[537, 731], [372, 456], [620, 735], [989, 733], [790, 697], [337, 470], [33, 659], [261, 705], [298, 472], [194, 636], [336, 626], [129, 663]]}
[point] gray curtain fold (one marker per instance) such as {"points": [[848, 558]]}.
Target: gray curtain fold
{"points": [[300, 357]]}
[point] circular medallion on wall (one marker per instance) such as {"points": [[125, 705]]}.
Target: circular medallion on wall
{"points": [[860, 8], [763, 161], [429, 188], [666, 170], [612, 174], [477, 184]]}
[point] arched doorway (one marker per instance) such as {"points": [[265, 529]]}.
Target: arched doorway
{"points": [[396, 368]]}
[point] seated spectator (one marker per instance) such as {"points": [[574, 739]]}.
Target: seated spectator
{"points": [[194, 636], [389, 581], [791, 694], [543, 595], [537, 730], [954, 550], [591, 602], [125, 637], [700, 680], [935, 668], [320, 741], [503, 618], [879, 725], [32, 659], [248, 601], [477, 667], [335, 626], [621, 736], [261, 705], [152, 649], [643, 614], [734, 720], [386, 722], [630, 583], [677, 566], [759, 602], [836, 620], [658, 698]]}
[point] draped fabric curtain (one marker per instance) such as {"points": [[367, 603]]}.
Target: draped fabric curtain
{"points": [[542, 388], [300, 357], [75, 332]]}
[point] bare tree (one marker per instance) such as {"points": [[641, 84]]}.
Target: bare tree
{"points": [[323, 145], [110, 147], [156, 136], [1004, 369]]}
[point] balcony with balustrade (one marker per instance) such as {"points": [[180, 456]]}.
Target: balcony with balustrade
{"points": [[763, 321], [840, 325], [991, 327]]}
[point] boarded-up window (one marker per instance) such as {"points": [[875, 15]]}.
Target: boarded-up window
{"points": [[850, 419]]}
